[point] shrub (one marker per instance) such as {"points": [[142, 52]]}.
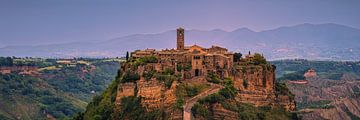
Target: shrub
{"points": [[144, 60], [167, 79], [211, 77], [187, 67], [191, 91], [148, 74], [179, 67], [282, 89], [200, 110], [259, 59], [213, 98], [245, 83], [179, 103], [169, 71], [130, 76], [229, 91]]}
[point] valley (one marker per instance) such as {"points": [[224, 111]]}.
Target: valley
{"points": [[332, 92], [51, 88]]}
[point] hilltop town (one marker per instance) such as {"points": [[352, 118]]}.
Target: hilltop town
{"points": [[193, 82]]}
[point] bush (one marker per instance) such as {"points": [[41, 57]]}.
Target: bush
{"points": [[282, 89], [130, 77], [193, 90], [144, 60], [229, 91], [211, 99], [259, 59], [245, 84], [169, 71], [211, 77], [200, 110], [131, 109], [187, 67], [179, 67], [148, 75]]}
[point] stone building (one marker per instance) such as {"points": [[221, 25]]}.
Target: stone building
{"points": [[201, 60]]}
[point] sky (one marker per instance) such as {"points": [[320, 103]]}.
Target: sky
{"points": [[34, 22]]}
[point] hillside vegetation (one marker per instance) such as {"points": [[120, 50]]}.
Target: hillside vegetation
{"points": [[54, 91], [295, 69]]}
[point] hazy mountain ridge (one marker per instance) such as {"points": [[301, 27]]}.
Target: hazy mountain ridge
{"points": [[308, 41]]}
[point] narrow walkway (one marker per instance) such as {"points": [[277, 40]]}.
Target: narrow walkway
{"points": [[190, 102]]}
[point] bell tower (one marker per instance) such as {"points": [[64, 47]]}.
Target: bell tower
{"points": [[180, 39]]}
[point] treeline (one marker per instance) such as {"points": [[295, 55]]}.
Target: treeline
{"points": [[6, 61], [326, 69]]}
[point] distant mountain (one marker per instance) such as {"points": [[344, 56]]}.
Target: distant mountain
{"points": [[304, 41]]}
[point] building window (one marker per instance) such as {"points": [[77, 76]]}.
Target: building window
{"points": [[196, 57]]}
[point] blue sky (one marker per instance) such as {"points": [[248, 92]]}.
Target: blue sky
{"points": [[32, 22]]}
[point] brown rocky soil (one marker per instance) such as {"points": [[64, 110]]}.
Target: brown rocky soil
{"points": [[343, 97]]}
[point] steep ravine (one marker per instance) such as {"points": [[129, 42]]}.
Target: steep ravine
{"points": [[327, 99]]}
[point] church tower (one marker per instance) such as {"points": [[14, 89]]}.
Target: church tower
{"points": [[180, 39]]}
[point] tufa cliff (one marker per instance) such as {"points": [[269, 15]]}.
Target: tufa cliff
{"points": [[192, 82]]}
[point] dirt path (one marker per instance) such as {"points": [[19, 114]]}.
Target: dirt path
{"points": [[190, 102]]}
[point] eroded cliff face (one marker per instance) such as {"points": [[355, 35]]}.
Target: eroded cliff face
{"points": [[256, 85], [153, 93], [328, 99]]}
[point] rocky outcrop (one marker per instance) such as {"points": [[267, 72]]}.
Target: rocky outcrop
{"points": [[124, 90], [256, 85], [259, 78], [342, 96], [151, 94]]}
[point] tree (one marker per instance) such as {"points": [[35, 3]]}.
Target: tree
{"points": [[259, 59], [237, 57], [8, 61], [127, 55]]}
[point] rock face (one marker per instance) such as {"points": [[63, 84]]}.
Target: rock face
{"points": [[125, 90], [328, 99], [153, 93], [256, 85]]}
